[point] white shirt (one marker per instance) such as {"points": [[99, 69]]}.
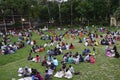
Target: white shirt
{"points": [[68, 74]]}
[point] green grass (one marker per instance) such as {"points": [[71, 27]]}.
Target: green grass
{"points": [[105, 68]]}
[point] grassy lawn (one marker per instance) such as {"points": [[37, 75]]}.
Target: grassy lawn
{"points": [[105, 68]]}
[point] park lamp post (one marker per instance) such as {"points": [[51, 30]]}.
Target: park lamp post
{"points": [[59, 6], [30, 23], [22, 19]]}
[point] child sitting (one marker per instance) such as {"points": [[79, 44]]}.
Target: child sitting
{"points": [[59, 74], [71, 46]]}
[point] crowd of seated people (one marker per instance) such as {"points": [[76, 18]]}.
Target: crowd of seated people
{"points": [[29, 74], [112, 52], [109, 41], [85, 52], [89, 58], [89, 42], [7, 50], [36, 48], [36, 59], [65, 72], [65, 46], [12, 47], [59, 47], [115, 35], [51, 63], [77, 58], [9, 47], [70, 58], [55, 51], [110, 38], [26, 71], [30, 42], [46, 37]]}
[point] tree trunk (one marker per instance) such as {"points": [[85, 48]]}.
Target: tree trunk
{"points": [[71, 14], [59, 6]]}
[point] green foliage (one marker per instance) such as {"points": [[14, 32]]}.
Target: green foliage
{"points": [[117, 13], [17, 24], [93, 10], [85, 9]]}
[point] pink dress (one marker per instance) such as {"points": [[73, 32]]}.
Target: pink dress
{"points": [[92, 60], [108, 53], [38, 59]]}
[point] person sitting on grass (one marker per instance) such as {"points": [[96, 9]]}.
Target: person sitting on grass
{"points": [[84, 52], [80, 40], [46, 44], [47, 76], [65, 58], [50, 70], [103, 42], [39, 77], [57, 51], [114, 48], [25, 72], [36, 59], [29, 57], [67, 46], [81, 59], [55, 62], [75, 59], [117, 55], [34, 41], [96, 43], [32, 50], [52, 66], [71, 46], [50, 58], [4, 51], [31, 43], [87, 58], [70, 59], [92, 53], [35, 75], [63, 46], [68, 74], [88, 51], [44, 61], [92, 59], [59, 74], [109, 53], [71, 69], [28, 41], [86, 43], [72, 36], [42, 49], [63, 67]]}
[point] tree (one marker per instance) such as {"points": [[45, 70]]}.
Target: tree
{"points": [[85, 9], [117, 13], [71, 11]]}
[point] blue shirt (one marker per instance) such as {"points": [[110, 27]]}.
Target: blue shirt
{"points": [[55, 62]]}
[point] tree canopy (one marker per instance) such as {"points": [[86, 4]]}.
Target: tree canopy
{"points": [[75, 11]]}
